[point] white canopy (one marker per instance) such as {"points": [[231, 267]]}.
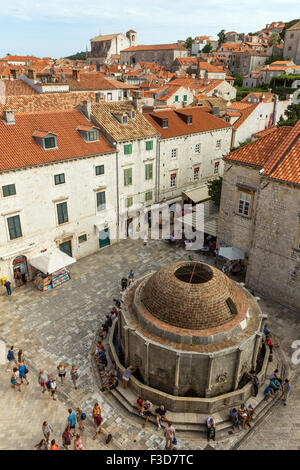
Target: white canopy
{"points": [[231, 253], [51, 262]]}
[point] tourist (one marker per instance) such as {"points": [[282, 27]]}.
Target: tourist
{"points": [[274, 374], [117, 303], [169, 433], [54, 446], [109, 321], [146, 411], [52, 388], [43, 379], [16, 379], [211, 429], [47, 429], [131, 277], [11, 357], [268, 392], [18, 277], [286, 390], [255, 382], [235, 419], [23, 372], [41, 446], [275, 385], [20, 356], [80, 416], [243, 414], [266, 331], [270, 344], [61, 371], [126, 375], [8, 287], [72, 420], [66, 438], [74, 376], [124, 283], [250, 411], [160, 416], [139, 403], [78, 443], [110, 385], [97, 419], [103, 332]]}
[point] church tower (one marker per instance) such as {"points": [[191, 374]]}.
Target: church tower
{"points": [[131, 35]]}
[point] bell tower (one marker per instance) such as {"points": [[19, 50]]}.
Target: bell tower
{"points": [[131, 35]]}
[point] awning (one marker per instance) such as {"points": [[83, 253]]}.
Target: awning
{"points": [[231, 253], [51, 262], [198, 195]]}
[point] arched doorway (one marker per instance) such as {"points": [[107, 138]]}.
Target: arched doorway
{"points": [[20, 268]]}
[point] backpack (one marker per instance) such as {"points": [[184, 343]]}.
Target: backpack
{"points": [[83, 416], [10, 355]]}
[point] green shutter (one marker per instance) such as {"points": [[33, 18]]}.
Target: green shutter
{"points": [[9, 190], [128, 176], [148, 171], [148, 196], [127, 149], [129, 202], [14, 227], [101, 201], [62, 213], [149, 145], [184, 97], [176, 98]]}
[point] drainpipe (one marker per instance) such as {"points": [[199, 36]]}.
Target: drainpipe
{"points": [[157, 169], [118, 202]]}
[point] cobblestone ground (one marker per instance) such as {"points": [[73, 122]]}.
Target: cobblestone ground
{"points": [[60, 325]]}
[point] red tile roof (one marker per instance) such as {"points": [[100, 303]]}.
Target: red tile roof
{"points": [[17, 87], [20, 149], [177, 126], [94, 81]]}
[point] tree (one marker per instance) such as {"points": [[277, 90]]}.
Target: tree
{"points": [[292, 116], [215, 189], [238, 80], [207, 49], [189, 42], [274, 58], [77, 56], [222, 37], [274, 39]]}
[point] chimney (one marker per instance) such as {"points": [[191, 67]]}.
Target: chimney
{"points": [[76, 75], [216, 111], [9, 117], [32, 74], [87, 109], [137, 96]]}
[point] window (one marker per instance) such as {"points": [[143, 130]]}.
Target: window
{"points": [[148, 171], [101, 201], [174, 153], [82, 238], [9, 190], [125, 119], [14, 227], [49, 142], [127, 149], [62, 213], [99, 170], [196, 174], [148, 196], [176, 97], [197, 148], [128, 177], [173, 180], [292, 35], [216, 167], [165, 123], [149, 145], [59, 179], [218, 144], [184, 97], [109, 96], [129, 202], [244, 203], [93, 135]]}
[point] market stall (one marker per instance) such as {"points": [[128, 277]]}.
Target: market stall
{"points": [[51, 269]]}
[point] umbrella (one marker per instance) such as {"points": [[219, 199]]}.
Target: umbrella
{"points": [[51, 262], [231, 253]]}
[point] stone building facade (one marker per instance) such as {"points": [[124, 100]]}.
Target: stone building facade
{"points": [[291, 49], [104, 46], [163, 54]]}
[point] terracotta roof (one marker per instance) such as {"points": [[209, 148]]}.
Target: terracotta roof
{"points": [[177, 125], [20, 149], [138, 127], [94, 81], [257, 153], [17, 87], [265, 96], [187, 60], [210, 68], [201, 85], [155, 47], [238, 105], [106, 37], [265, 132], [168, 90], [245, 113]]}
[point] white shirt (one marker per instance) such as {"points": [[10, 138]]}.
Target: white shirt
{"points": [[208, 422]]}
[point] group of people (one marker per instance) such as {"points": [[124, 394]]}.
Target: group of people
{"points": [[48, 381], [127, 281], [277, 384], [19, 371], [145, 410]]}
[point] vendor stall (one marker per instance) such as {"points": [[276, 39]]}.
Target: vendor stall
{"points": [[51, 269]]}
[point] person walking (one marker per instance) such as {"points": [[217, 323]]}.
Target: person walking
{"points": [[97, 419], [43, 379], [131, 277], [62, 371], [20, 356], [11, 357], [66, 438], [72, 419], [126, 375], [74, 376], [15, 379], [47, 429], [244, 416], [54, 446], [286, 390], [53, 388], [124, 283], [169, 433], [23, 372], [8, 287], [80, 417], [42, 445], [78, 443]]}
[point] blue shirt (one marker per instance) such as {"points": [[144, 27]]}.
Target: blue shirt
{"points": [[22, 369], [72, 419]]}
